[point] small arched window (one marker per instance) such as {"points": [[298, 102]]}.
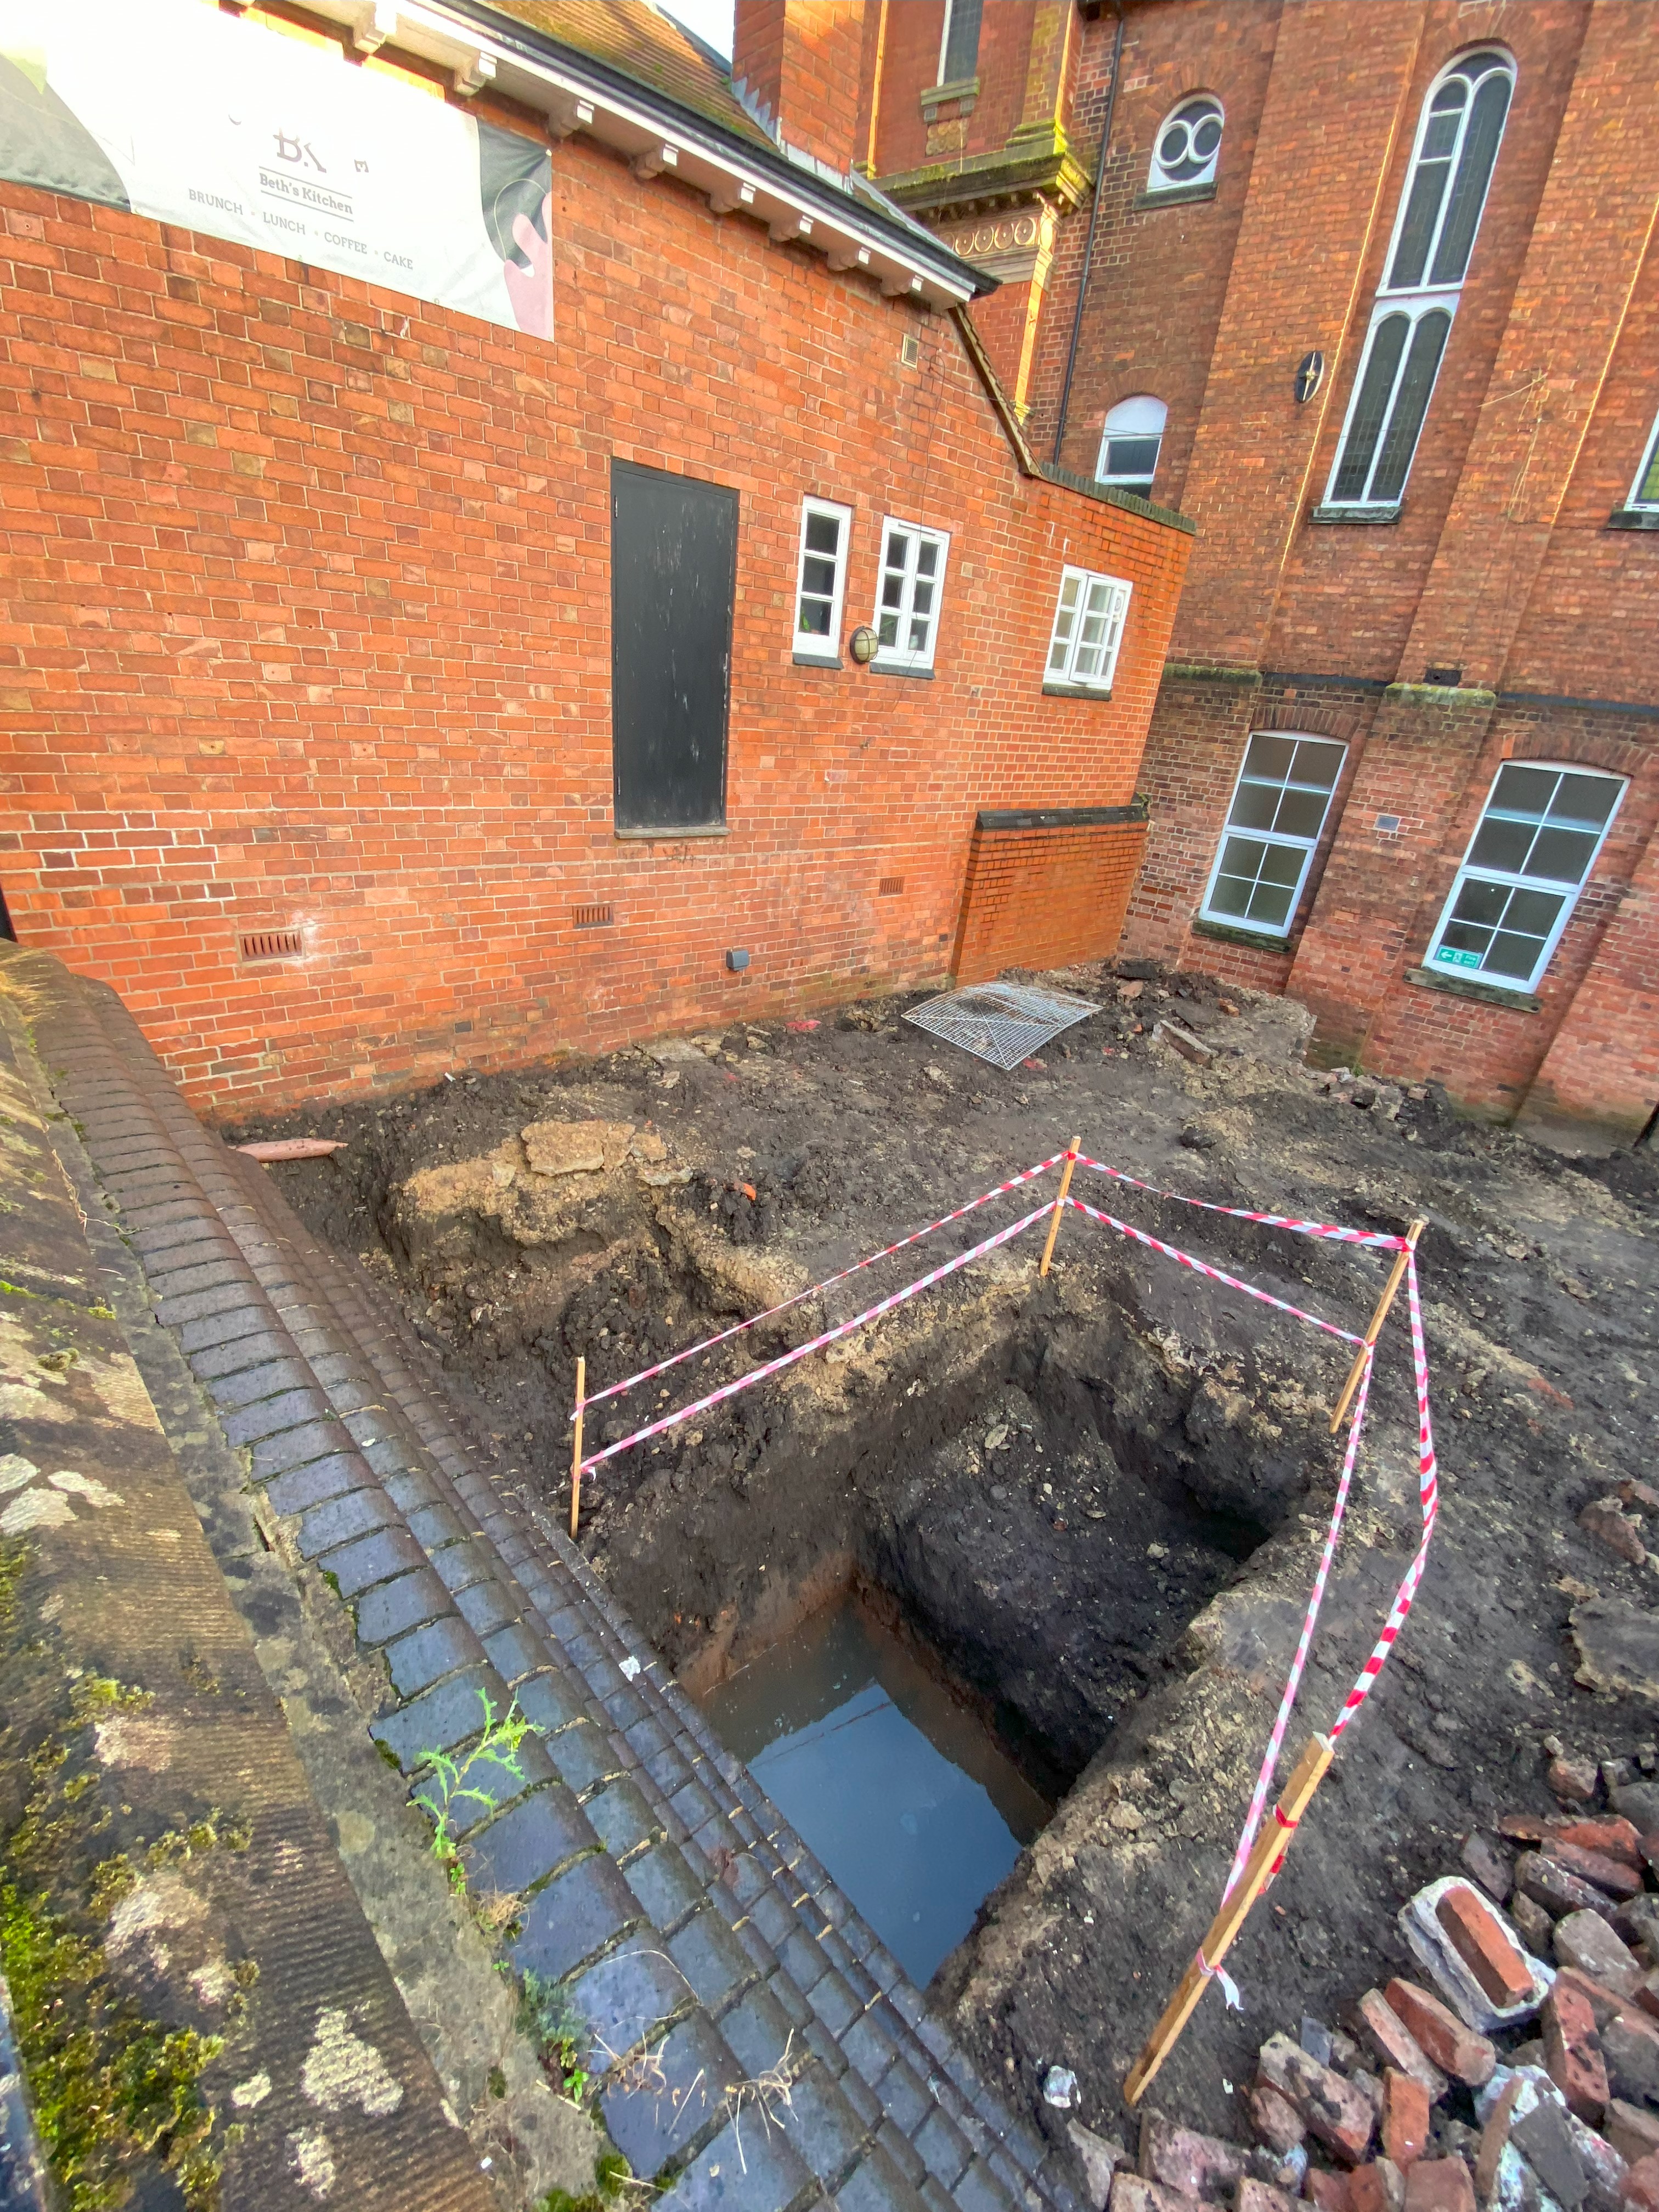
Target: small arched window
{"points": [[1458, 135], [1129, 443], [1186, 147]]}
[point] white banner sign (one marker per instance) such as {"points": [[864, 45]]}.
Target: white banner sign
{"points": [[177, 112]]}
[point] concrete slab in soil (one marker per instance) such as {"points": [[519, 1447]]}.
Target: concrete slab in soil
{"points": [[328, 1438]]}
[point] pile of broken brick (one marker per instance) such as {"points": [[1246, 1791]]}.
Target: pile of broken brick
{"points": [[1525, 2080]]}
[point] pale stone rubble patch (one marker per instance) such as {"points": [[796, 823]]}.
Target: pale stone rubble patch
{"points": [[342, 2069], [48, 1507]]}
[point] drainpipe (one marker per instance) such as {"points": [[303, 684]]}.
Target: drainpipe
{"points": [[1089, 243]]}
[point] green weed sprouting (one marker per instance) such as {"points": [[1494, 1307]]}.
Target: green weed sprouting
{"points": [[558, 2031], [456, 1781]]}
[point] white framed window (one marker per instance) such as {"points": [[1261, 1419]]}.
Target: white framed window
{"points": [[1645, 492], [1274, 825], [1188, 145], [907, 597], [1130, 439], [1458, 135], [1527, 861], [958, 45], [821, 579], [1088, 630]]}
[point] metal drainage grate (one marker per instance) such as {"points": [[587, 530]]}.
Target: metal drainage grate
{"points": [[1003, 1023], [271, 944], [594, 917]]}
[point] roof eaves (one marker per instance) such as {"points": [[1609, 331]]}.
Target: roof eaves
{"points": [[870, 233]]}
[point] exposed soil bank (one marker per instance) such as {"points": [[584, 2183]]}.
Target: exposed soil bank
{"points": [[1097, 1497]]}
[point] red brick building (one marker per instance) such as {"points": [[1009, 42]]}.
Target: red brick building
{"points": [[388, 684], [1372, 294]]}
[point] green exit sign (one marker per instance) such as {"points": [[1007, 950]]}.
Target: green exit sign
{"points": [[1452, 959]]}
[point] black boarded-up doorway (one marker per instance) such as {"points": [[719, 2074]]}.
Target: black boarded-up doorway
{"points": [[673, 577]]}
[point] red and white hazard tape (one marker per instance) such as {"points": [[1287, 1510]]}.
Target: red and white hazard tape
{"points": [[1428, 1490], [829, 1336], [646, 1374], [1293, 1682], [1203, 1267], [1374, 1237], [1429, 1499]]}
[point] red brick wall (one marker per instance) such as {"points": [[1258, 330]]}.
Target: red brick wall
{"points": [[1158, 277], [802, 61], [1602, 1066], [910, 63], [910, 67], [1488, 1056], [1201, 729], [1045, 896], [306, 624]]}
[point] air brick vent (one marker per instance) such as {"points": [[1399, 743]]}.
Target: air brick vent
{"points": [[272, 944], [595, 917], [890, 886]]}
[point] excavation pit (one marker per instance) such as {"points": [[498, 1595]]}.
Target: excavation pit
{"points": [[1088, 1504], [887, 1772]]}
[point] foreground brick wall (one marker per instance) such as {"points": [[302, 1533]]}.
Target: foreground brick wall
{"points": [[307, 617], [1046, 888]]}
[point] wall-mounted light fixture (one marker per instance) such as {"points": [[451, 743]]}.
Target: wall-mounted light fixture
{"points": [[1309, 375], [862, 645]]}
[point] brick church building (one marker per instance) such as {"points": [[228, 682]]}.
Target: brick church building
{"points": [[510, 544], [1371, 295]]}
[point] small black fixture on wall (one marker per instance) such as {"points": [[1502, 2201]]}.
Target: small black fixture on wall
{"points": [[862, 645], [1309, 375]]}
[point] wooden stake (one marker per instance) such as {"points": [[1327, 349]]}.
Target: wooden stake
{"points": [[1378, 1320], [1059, 1205], [576, 1452], [1271, 1844]]}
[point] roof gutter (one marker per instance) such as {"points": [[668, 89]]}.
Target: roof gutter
{"points": [[479, 48]]}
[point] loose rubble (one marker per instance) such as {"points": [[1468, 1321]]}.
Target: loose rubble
{"points": [[1527, 2080]]}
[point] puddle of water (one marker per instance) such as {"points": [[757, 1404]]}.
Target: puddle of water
{"points": [[890, 1779]]}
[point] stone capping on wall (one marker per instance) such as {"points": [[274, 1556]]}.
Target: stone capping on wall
{"points": [[1057, 817], [1441, 694], [1486, 995], [1110, 496]]}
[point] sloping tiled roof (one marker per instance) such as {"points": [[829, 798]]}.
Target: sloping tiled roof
{"points": [[644, 43]]}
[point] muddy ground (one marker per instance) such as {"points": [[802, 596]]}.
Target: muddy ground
{"points": [[1098, 1500]]}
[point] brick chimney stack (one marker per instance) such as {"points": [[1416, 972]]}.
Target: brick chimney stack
{"points": [[796, 64]]}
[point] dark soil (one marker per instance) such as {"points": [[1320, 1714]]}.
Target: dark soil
{"points": [[1099, 1497]]}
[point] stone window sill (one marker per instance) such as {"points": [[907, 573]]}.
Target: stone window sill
{"points": [[818, 660], [1463, 987], [1074, 691], [891, 668], [1376, 517], [1176, 195], [696, 829], [1634, 518], [1229, 934]]}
